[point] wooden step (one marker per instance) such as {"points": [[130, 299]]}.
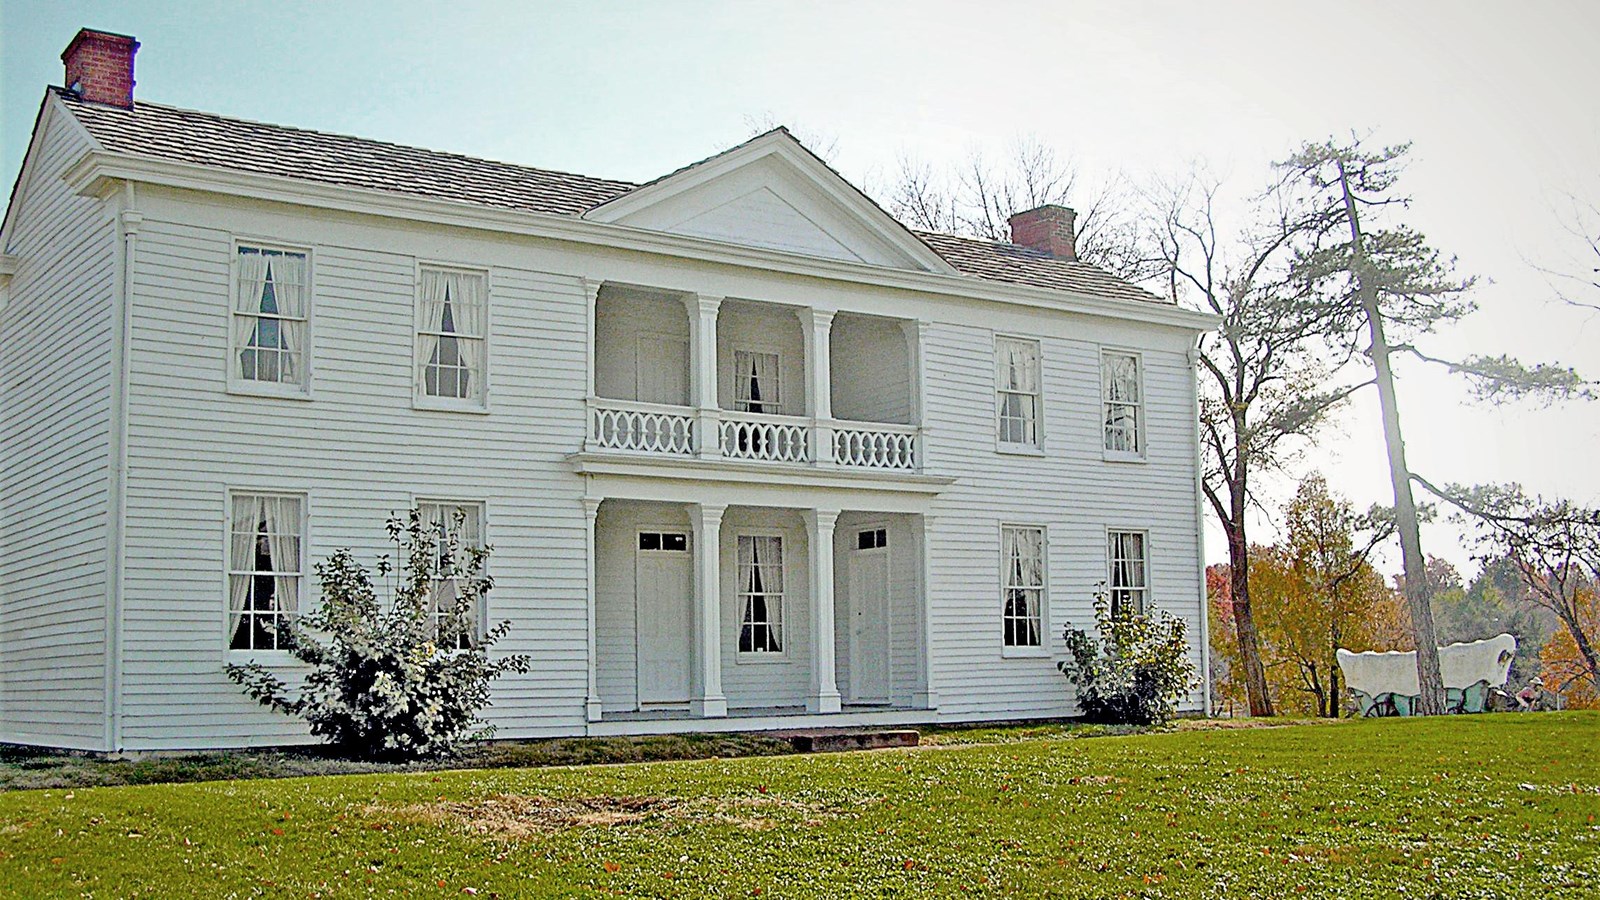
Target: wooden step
{"points": [[835, 741]]}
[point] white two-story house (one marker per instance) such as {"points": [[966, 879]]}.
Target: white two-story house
{"points": [[749, 452]]}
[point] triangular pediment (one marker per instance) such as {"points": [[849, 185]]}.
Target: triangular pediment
{"points": [[773, 194]]}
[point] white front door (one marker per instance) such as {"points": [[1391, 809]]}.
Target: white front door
{"points": [[869, 616], [664, 585]]}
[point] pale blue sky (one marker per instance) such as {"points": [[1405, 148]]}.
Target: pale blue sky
{"points": [[1500, 100]]}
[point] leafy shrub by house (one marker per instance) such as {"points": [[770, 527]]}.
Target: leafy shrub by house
{"points": [[1135, 671], [399, 681]]}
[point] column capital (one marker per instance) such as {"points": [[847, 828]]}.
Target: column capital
{"points": [[820, 519], [131, 220], [816, 316], [591, 507], [591, 287], [709, 512], [703, 304]]}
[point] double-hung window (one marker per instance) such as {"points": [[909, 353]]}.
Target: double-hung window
{"points": [[458, 531], [1016, 377], [271, 319], [1022, 592], [755, 381], [452, 337], [760, 586], [1123, 395], [1129, 575], [265, 564]]}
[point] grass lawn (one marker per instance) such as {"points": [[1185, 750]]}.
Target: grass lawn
{"points": [[1479, 806]]}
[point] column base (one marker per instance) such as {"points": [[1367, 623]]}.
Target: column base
{"points": [[709, 708], [925, 700], [824, 703], [591, 709]]}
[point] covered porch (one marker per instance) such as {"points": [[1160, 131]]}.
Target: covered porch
{"points": [[755, 613]]}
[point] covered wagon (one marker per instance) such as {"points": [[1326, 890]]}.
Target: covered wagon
{"points": [[1385, 684]]}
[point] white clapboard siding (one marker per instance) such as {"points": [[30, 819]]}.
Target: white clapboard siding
{"points": [[1071, 490], [55, 417], [359, 451]]}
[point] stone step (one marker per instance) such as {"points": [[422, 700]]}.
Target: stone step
{"points": [[835, 741]]}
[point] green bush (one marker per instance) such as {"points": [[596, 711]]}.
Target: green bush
{"points": [[399, 681], [1135, 672]]}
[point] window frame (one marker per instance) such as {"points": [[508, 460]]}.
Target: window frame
{"points": [[420, 399], [1034, 447], [1024, 651], [1146, 590], [265, 657], [1141, 431], [733, 377], [760, 657], [481, 617], [238, 384]]}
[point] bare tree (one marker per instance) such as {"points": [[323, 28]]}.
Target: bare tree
{"points": [[1377, 287], [977, 196], [1264, 383], [1554, 545]]}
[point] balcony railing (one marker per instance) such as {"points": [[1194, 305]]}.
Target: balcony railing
{"points": [[652, 429], [748, 435], [875, 446], [641, 427]]}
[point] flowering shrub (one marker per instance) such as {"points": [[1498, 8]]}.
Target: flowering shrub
{"points": [[1135, 671], [395, 682]]}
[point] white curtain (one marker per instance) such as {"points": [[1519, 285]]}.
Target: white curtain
{"points": [[242, 557], [756, 384], [470, 314], [1017, 367], [252, 282], [430, 319], [1122, 379], [283, 542], [289, 287]]}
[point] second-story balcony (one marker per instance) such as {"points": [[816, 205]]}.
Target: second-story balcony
{"points": [[715, 379]]}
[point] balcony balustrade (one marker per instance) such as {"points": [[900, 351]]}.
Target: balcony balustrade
{"points": [[659, 430]]}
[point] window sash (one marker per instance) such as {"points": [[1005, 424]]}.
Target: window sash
{"points": [[1022, 587], [441, 516], [757, 381], [266, 563], [452, 361], [1017, 390], [282, 360], [1127, 555], [760, 573], [1122, 397]]}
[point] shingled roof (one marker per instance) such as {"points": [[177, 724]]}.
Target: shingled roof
{"points": [[183, 135]]}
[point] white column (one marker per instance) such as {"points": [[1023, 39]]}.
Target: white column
{"points": [[927, 697], [591, 293], [916, 332], [703, 311], [705, 520], [817, 325], [823, 697], [591, 512]]}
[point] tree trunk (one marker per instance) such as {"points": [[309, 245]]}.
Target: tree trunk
{"points": [[1244, 623], [1418, 596]]}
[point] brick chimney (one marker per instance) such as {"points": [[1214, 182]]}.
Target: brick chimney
{"points": [[100, 67], [1049, 229]]}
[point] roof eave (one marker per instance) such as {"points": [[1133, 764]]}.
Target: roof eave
{"points": [[99, 171]]}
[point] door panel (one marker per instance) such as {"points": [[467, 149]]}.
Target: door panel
{"points": [[869, 626], [664, 626], [663, 375]]}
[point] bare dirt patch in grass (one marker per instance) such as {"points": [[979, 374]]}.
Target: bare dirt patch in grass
{"points": [[519, 817]]}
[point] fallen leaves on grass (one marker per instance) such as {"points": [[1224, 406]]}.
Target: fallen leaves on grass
{"points": [[517, 817]]}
